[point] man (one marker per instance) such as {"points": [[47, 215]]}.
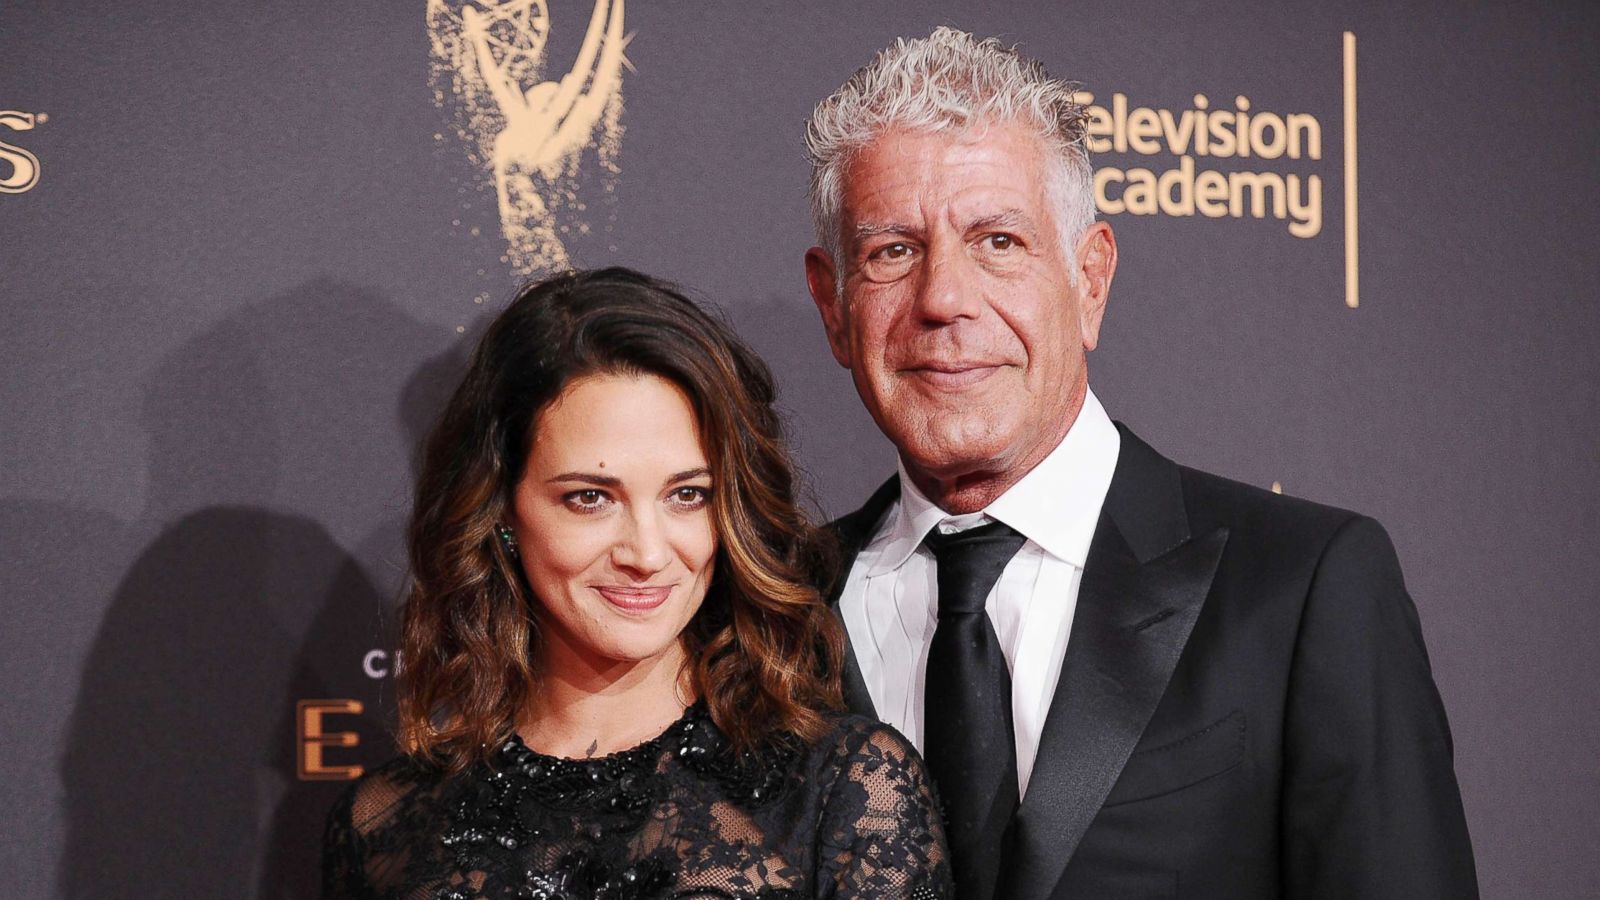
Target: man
{"points": [[1129, 678]]}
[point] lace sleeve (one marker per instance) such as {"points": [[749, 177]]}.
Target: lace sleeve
{"points": [[341, 853], [881, 835], [369, 845]]}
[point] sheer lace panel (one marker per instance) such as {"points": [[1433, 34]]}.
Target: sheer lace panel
{"points": [[881, 834], [681, 816]]}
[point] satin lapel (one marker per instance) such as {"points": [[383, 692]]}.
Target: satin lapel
{"points": [[854, 686], [1132, 621], [853, 531]]}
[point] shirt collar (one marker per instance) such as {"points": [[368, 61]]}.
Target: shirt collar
{"points": [[1056, 505]]}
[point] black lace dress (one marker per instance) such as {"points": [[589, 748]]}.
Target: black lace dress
{"points": [[853, 815]]}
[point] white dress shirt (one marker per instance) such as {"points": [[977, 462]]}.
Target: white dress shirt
{"points": [[890, 603]]}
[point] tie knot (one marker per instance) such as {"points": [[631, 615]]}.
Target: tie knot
{"points": [[969, 563], [969, 540]]}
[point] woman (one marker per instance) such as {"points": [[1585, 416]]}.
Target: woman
{"points": [[617, 681]]}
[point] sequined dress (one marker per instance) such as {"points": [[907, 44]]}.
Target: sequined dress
{"points": [[852, 815]]}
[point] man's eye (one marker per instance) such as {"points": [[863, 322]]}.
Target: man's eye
{"points": [[893, 252], [1002, 241]]}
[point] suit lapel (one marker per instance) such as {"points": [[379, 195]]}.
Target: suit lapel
{"points": [[853, 531], [1142, 589]]}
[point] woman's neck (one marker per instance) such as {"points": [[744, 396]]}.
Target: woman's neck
{"points": [[589, 707]]}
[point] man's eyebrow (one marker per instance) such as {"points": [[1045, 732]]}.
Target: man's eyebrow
{"points": [[1005, 218], [872, 229], [587, 478]]}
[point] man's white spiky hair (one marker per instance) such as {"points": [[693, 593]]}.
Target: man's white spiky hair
{"points": [[950, 81]]}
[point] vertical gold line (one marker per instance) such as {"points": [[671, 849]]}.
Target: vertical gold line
{"points": [[1352, 291]]}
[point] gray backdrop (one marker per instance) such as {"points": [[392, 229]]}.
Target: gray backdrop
{"points": [[258, 247]]}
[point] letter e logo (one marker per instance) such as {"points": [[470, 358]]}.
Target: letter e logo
{"points": [[313, 740]]}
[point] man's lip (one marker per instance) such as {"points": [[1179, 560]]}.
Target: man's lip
{"points": [[950, 366], [632, 598], [952, 375]]}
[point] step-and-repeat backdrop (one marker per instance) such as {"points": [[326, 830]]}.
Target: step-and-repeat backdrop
{"points": [[244, 247]]}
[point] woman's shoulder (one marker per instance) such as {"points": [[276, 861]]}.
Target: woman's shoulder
{"points": [[386, 795], [852, 733], [384, 829], [863, 748]]}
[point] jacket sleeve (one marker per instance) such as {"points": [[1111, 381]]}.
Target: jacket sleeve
{"points": [[1371, 807]]}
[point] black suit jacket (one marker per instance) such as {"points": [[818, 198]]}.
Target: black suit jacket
{"points": [[1245, 708]]}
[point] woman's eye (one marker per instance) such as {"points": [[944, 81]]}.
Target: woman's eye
{"points": [[690, 497], [586, 501]]}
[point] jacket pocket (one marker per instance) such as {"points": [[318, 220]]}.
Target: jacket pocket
{"points": [[1177, 764]]}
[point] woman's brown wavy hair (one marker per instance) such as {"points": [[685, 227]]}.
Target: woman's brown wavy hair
{"points": [[763, 650]]}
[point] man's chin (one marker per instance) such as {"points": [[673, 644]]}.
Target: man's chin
{"points": [[953, 457]]}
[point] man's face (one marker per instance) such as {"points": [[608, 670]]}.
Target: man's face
{"points": [[960, 321]]}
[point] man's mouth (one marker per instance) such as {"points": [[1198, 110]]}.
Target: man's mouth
{"points": [[952, 375]]}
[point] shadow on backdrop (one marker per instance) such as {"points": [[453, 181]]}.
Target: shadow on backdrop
{"points": [[822, 416], [60, 563], [179, 770], [332, 653]]}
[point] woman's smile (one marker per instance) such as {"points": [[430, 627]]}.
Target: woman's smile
{"points": [[634, 600]]}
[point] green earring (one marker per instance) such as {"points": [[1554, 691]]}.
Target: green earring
{"points": [[507, 538]]}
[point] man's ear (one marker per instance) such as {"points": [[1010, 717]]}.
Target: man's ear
{"points": [[822, 280], [1097, 264]]}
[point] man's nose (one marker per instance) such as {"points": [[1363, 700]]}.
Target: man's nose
{"points": [[949, 290], [642, 549]]}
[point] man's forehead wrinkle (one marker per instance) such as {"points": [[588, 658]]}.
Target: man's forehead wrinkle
{"points": [[882, 196], [1010, 217], [914, 184]]}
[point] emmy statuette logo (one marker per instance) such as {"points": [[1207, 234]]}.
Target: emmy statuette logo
{"points": [[19, 169], [531, 131]]}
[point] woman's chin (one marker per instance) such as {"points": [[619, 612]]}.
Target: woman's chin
{"points": [[643, 645]]}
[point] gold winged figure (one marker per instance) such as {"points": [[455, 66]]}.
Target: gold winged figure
{"points": [[543, 129]]}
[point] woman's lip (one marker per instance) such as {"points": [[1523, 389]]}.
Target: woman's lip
{"points": [[634, 599]]}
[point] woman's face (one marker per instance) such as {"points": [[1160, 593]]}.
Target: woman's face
{"points": [[613, 520]]}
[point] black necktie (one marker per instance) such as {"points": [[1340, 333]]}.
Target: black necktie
{"points": [[967, 705]]}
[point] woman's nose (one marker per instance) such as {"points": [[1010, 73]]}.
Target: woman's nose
{"points": [[642, 549]]}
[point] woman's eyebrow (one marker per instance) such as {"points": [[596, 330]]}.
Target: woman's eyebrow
{"points": [[613, 481], [587, 478]]}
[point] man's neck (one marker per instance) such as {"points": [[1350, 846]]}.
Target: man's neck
{"points": [[967, 493]]}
